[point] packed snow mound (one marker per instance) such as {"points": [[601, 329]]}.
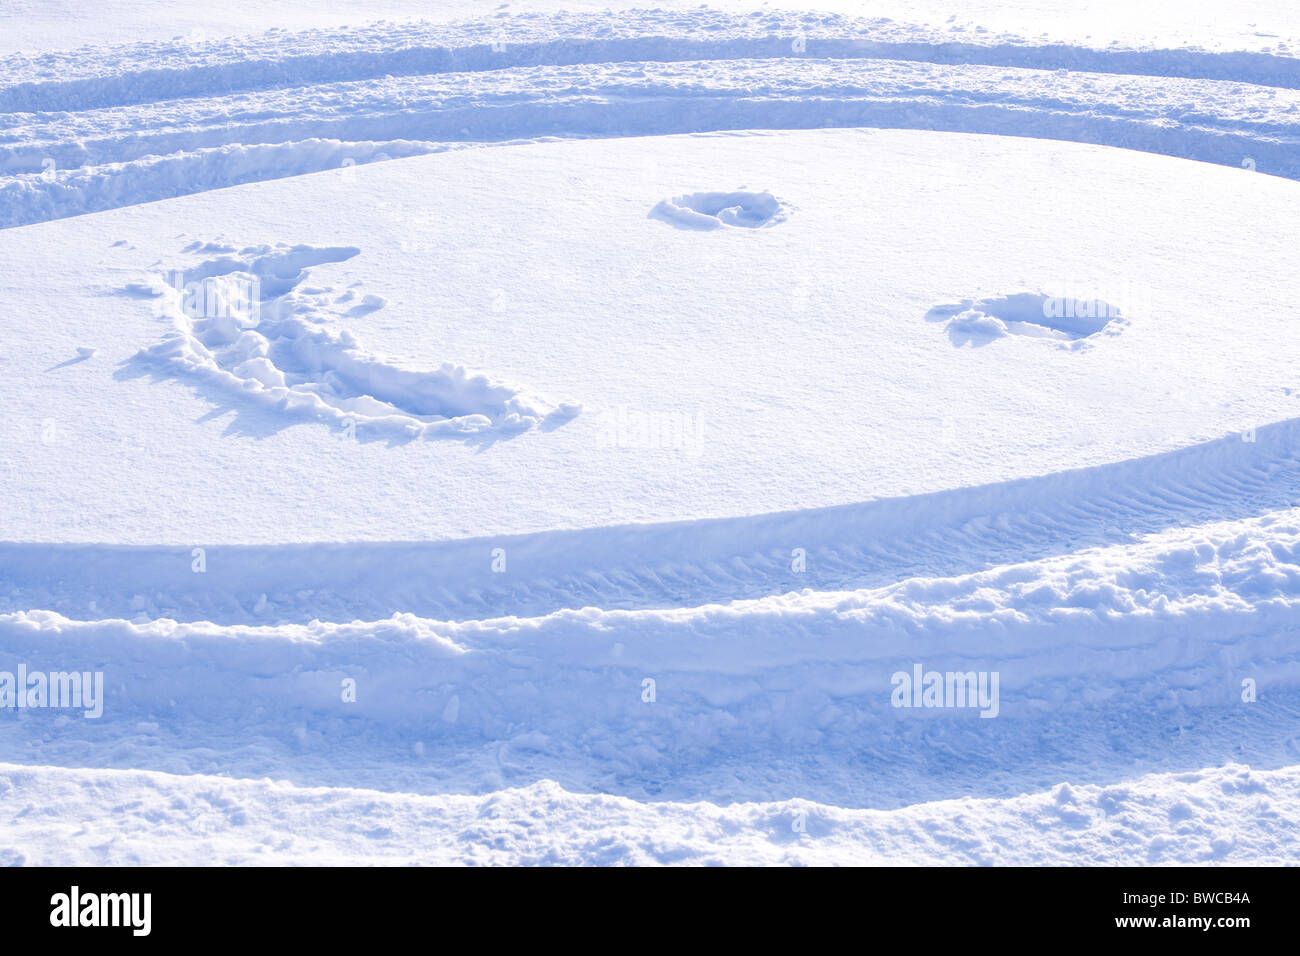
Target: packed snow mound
{"points": [[1067, 319], [246, 321], [715, 210]]}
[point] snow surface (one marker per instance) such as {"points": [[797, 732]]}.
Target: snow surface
{"points": [[542, 433]]}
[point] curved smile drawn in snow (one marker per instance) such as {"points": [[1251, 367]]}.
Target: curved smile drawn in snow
{"points": [[244, 320], [715, 210], [1065, 319]]}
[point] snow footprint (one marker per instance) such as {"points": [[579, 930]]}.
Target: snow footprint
{"points": [[1063, 319], [749, 210]]}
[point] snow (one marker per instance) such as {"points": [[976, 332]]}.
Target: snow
{"points": [[39, 25], [1141, 636], [1191, 818], [516, 434]]}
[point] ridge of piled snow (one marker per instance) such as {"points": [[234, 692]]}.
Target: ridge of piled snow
{"points": [[1232, 815], [1210, 24]]}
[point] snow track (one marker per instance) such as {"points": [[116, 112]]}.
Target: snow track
{"points": [[136, 124], [692, 563], [1115, 660], [125, 74], [1155, 638]]}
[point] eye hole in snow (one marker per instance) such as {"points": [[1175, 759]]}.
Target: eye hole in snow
{"points": [[1064, 319], [715, 210]]}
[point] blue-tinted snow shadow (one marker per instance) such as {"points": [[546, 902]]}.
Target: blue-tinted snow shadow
{"points": [[67, 363]]}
